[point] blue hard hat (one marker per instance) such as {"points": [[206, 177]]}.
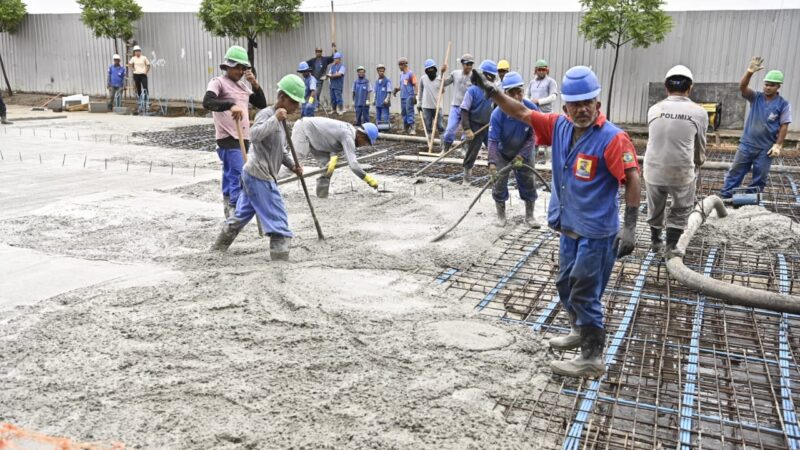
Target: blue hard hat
{"points": [[489, 66], [512, 80], [579, 84], [303, 67], [337, 55], [371, 130], [429, 63]]}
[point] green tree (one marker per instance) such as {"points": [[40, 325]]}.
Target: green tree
{"points": [[249, 18], [111, 19], [11, 14], [616, 23]]}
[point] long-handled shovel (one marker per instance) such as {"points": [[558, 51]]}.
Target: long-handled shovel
{"points": [[302, 181], [452, 149]]}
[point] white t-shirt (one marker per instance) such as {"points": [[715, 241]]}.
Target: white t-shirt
{"points": [[139, 64]]}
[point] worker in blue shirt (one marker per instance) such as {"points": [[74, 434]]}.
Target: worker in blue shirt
{"points": [[117, 73], [511, 142], [362, 91], [408, 95], [309, 106], [476, 110], [591, 158], [764, 130], [383, 90], [336, 75]]}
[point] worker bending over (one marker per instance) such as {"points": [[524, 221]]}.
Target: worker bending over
{"points": [[326, 139], [676, 148], [591, 157], [260, 195], [511, 142], [476, 110]]}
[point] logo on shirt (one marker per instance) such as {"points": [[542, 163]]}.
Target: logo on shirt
{"points": [[627, 157], [772, 117], [585, 167]]}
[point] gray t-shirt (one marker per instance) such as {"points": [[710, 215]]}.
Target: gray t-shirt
{"points": [[333, 136], [461, 82], [677, 141], [268, 148], [428, 91], [545, 91]]}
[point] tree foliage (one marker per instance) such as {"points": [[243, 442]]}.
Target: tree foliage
{"points": [[11, 14], [616, 23], [110, 18]]}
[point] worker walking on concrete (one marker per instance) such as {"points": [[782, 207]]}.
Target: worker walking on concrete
{"points": [[260, 195], [140, 67], [228, 97], [362, 96], [503, 67], [591, 157], [327, 139], [336, 75], [319, 66], [476, 111], [460, 79], [408, 95], [309, 106], [676, 148], [764, 130], [383, 97], [428, 95], [115, 81], [511, 142]]}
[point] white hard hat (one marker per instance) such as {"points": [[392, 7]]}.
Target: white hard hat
{"points": [[115, 57], [136, 47], [680, 70]]}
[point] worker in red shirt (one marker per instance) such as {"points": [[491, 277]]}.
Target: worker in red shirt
{"points": [[591, 158]]}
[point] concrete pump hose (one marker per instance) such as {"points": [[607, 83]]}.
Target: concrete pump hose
{"points": [[728, 293]]}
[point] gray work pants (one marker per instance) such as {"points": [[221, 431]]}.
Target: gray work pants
{"points": [[683, 198]]}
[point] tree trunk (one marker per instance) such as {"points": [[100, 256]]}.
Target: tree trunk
{"points": [[611, 82], [8, 85], [251, 53]]}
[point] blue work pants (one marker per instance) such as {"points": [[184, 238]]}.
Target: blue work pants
{"points": [[263, 198], [407, 111], [526, 184], [453, 121], [584, 269], [308, 110], [336, 97], [427, 115], [362, 114], [232, 163], [746, 158], [381, 114]]}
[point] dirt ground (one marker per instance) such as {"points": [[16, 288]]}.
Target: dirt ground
{"points": [[348, 345]]}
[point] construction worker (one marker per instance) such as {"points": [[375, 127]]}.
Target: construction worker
{"points": [[408, 95], [460, 79], [511, 142], [3, 111], [115, 81], [676, 148], [428, 94], [591, 157], [309, 107], [764, 130], [503, 67], [476, 111], [336, 74], [260, 195], [319, 66], [227, 97], [326, 139], [543, 92], [140, 67], [362, 93], [383, 97]]}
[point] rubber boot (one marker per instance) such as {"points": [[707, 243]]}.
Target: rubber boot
{"points": [[226, 207], [279, 247], [529, 216], [323, 185], [589, 363], [4, 120], [671, 250], [656, 244], [467, 174], [501, 213], [446, 146], [570, 341], [225, 239]]}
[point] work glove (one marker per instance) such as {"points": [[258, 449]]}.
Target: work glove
{"points": [[371, 181], [419, 108], [310, 100], [469, 135], [492, 172], [479, 80], [518, 163], [414, 100], [775, 151], [367, 102], [331, 165], [626, 238], [386, 100], [756, 64]]}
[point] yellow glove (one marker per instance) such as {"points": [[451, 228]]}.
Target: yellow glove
{"points": [[492, 172], [517, 163], [470, 135], [332, 165], [372, 182], [310, 100], [775, 151]]}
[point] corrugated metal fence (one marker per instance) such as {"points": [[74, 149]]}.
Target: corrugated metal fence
{"points": [[57, 53]]}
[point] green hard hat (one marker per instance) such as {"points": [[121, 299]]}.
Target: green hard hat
{"points": [[293, 86], [774, 76], [236, 55], [541, 63]]}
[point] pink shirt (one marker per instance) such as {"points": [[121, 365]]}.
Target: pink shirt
{"points": [[238, 93]]}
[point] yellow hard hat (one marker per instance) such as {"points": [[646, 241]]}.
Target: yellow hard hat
{"points": [[503, 65]]}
